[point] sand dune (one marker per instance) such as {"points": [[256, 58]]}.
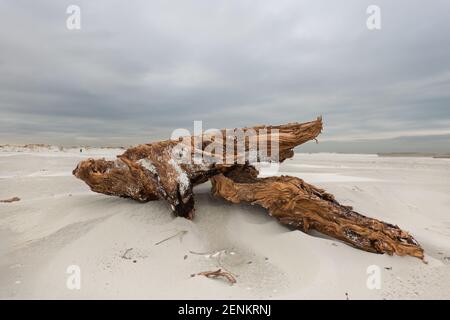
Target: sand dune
{"points": [[59, 222]]}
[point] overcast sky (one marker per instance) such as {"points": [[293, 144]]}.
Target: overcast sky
{"points": [[136, 70]]}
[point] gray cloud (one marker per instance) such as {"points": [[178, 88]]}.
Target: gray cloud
{"points": [[139, 69]]}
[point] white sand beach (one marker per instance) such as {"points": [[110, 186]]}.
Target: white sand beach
{"points": [[117, 244]]}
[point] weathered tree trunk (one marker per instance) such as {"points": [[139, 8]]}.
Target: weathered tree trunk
{"points": [[151, 171], [305, 207], [154, 171]]}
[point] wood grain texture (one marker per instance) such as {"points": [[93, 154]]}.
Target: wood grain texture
{"points": [[305, 207]]}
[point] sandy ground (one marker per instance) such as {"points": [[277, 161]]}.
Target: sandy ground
{"points": [[60, 223]]}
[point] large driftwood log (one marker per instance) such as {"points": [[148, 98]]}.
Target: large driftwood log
{"points": [[305, 207], [154, 171], [151, 171]]}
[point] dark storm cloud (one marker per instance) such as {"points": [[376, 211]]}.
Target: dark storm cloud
{"points": [[138, 69]]}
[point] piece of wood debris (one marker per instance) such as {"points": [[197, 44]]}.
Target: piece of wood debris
{"points": [[178, 234], [305, 207], [218, 273], [125, 254], [13, 199]]}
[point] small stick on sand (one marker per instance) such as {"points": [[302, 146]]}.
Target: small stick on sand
{"points": [[180, 234], [10, 200], [125, 254], [218, 273]]}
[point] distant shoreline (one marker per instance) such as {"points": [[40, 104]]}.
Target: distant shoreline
{"points": [[40, 146], [415, 154]]}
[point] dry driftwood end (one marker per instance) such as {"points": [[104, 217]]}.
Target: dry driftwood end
{"points": [[117, 178], [305, 207]]}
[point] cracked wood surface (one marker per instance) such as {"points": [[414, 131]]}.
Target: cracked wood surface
{"points": [[300, 205]]}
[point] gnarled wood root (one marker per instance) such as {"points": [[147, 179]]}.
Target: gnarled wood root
{"points": [[151, 171], [300, 205]]}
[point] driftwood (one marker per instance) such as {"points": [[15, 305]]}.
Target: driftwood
{"points": [[154, 171], [13, 199], [150, 171], [305, 207]]}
